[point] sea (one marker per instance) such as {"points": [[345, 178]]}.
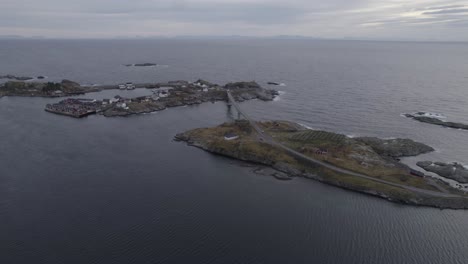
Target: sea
{"points": [[120, 190]]}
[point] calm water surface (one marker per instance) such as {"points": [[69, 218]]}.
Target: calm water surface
{"points": [[119, 190]]}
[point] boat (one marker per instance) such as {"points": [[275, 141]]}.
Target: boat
{"points": [[122, 86]]}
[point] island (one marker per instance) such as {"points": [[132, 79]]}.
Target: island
{"points": [[165, 95], [453, 171], [146, 64], [422, 117], [18, 78], [367, 165], [45, 89]]}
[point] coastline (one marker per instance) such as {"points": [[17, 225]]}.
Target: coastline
{"points": [[417, 191]]}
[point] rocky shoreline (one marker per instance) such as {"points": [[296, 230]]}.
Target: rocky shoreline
{"points": [[359, 155], [453, 171], [420, 116]]}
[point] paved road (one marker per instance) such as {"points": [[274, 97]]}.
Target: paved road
{"points": [[268, 139]]}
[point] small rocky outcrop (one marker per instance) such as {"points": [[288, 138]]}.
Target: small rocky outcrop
{"points": [[453, 171], [243, 85], [13, 77], [395, 147], [437, 121], [146, 64], [202, 82]]}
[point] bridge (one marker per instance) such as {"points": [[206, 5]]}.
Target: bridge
{"points": [[264, 137]]}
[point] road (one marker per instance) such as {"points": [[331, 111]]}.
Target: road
{"points": [[268, 139]]}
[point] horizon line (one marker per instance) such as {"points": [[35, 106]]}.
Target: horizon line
{"points": [[220, 37]]}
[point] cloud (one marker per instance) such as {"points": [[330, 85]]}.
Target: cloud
{"points": [[400, 19], [447, 11]]}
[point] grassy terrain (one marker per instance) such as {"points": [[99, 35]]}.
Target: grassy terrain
{"points": [[343, 152]]}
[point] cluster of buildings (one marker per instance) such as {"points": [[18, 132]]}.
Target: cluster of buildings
{"points": [[161, 92], [127, 86]]}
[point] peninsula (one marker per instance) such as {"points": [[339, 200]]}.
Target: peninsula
{"points": [[367, 165]]}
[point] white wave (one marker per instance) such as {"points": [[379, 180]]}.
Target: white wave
{"points": [[351, 136], [430, 114], [306, 126], [282, 84], [278, 97]]}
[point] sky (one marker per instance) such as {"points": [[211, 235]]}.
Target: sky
{"points": [[421, 20]]}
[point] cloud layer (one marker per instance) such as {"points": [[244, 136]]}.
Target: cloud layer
{"points": [[366, 19]]}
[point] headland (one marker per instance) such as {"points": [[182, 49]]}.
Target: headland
{"points": [[367, 165]]}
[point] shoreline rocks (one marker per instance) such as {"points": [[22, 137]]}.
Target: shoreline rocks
{"points": [[453, 171], [396, 148], [436, 121]]}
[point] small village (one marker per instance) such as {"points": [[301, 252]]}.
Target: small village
{"points": [[164, 95]]}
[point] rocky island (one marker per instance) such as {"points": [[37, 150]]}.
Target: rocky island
{"points": [[14, 77], [146, 64], [368, 165], [44, 89], [165, 95], [453, 171], [421, 117]]}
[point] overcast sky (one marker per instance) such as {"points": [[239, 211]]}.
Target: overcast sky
{"points": [[445, 20]]}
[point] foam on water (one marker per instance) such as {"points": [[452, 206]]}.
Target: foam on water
{"points": [[306, 126], [430, 114], [278, 98]]}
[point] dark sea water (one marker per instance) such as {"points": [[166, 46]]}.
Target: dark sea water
{"points": [[119, 190]]}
